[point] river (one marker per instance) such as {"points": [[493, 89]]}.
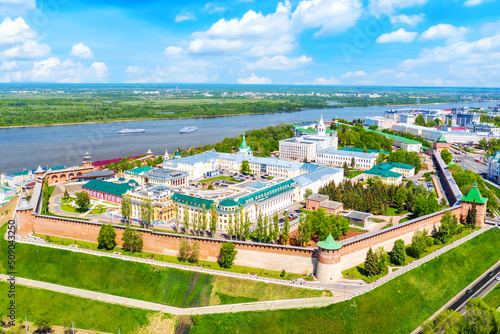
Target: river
{"points": [[26, 148]]}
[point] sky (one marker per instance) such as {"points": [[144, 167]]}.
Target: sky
{"points": [[443, 43]]}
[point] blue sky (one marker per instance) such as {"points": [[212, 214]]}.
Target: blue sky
{"points": [[321, 42]]}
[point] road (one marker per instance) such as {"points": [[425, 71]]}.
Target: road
{"points": [[486, 282]]}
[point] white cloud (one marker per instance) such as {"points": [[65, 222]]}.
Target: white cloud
{"points": [[9, 65], [15, 31], [254, 80], [258, 35], [54, 70], [326, 82], [280, 63], [443, 31], [28, 50], [331, 16], [353, 74], [184, 71], [16, 7], [185, 17], [399, 35], [172, 51], [470, 64], [214, 8], [475, 2], [411, 20], [378, 7], [80, 50]]}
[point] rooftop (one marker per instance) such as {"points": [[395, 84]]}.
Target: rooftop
{"points": [[354, 154], [107, 187], [329, 243], [331, 205], [355, 149], [358, 215], [319, 174], [318, 197], [191, 200], [474, 195], [139, 170], [268, 192]]}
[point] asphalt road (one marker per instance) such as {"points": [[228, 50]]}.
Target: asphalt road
{"points": [[475, 289]]}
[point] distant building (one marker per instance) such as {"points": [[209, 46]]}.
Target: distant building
{"points": [[337, 158], [408, 118], [316, 201], [381, 122], [317, 179], [494, 167], [390, 172], [467, 118], [108, 191], [161, 203], [305, 146], [360, 219]]}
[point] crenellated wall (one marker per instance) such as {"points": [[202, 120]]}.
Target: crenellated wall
{"points": [[258, 255]]}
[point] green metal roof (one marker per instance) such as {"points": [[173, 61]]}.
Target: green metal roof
{"points": [[355, 149], [57, 167], [382, 171], [190, 200], [268, 192], [139, 170], [474, 195], [441, 139], [24, 172], [299, 129], [228, 202], [107, 187], [243, 143], [329, 243], [398, 165], [394, 137]]}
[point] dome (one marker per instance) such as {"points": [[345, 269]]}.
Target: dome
{"points": [[228, 202]]}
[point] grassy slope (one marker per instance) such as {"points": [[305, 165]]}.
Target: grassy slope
{"points": [[493, 297], [137, 280], [86, 313], [396, 307]]}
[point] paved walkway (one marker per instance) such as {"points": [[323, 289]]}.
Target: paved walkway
{"points": [[345, 291]]}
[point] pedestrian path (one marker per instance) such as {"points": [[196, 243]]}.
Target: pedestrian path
{"points": [[349, 290]]}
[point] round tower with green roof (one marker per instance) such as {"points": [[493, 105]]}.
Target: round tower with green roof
{"points": [[328, 267]]}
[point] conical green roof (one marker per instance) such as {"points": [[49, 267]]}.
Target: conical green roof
{"points": [[329, 243], [243, 143], [474, 195], [441, 139]]}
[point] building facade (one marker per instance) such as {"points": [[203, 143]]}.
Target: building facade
{"points": [[339, 157]]}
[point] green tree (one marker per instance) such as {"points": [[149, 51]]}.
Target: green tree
{"points": [[382, 259], [401, 196], [380, 158], [307, 193], [213, 220], [195, 252], [420, 243], [106, 237], [45, 195], [210, 187], [132, 240], [259, 227], [42, 323], [66, 194], [230, 226], [420, 120], [227, 255], [398, 253], [286, 230], [353, 162], [186, 218], [195, 220], [184, 249], [146, 212], [448, 228], [82, 201], [245, 167], [276, 227], [371, 263], [446, 156], [346, 169], [204, 220], [126, 208]]}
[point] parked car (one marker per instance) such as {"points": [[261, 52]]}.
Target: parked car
{"points": [[498, 278], [469, 291], [491, 273]]}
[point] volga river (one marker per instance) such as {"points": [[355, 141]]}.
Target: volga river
{"points": [[26, 148]]}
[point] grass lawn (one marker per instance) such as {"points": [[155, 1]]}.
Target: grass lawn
{"points": [[171, 259], [97, 211], [86, 313], [357, 229], [390, 211], [354, 173], [68, 208], [51, 190], [493, 297], [398, 306], [137, 280], [358, 273], [496, 190], [221, 177], [378, 220]]}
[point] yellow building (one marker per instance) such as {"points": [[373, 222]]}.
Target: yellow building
{"points": [[161, 203]]}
